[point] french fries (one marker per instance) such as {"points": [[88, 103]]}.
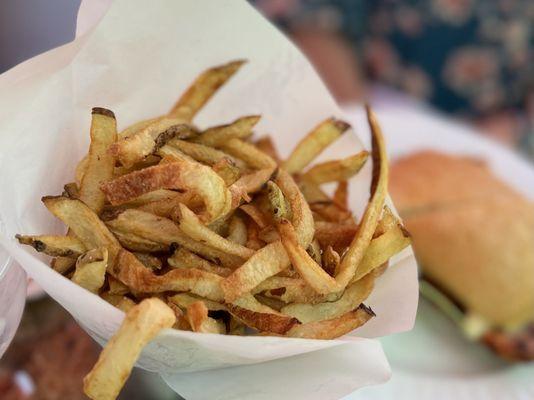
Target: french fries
{"points": [[141, 324], [220, 229]]}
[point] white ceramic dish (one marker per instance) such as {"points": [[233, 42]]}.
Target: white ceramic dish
{"points": [[434, 361]]}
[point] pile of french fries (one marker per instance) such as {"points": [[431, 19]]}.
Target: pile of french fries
{"points": [[210, 231]]}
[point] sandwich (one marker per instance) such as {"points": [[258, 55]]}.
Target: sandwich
{"points": [[473, 237]]}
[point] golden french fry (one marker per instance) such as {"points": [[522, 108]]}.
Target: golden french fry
{"points": [[255, 214], [260, 316], [337, 170], [313, 193], [204, 154], [85, 224], [353, 296], [290, 290], [314, 251], [310, 271], [246, 185], [141, 324], [331, 260], [183, 175], [100, 163], [137, 277], [184, 300], [381, 249], [133, 148], [248, 153], [116, 287], [71, 190], [90, 270], [227, 170], [81, 167], [253, 240], [333, 328], [314, 143], [123, 303], [65, 246], [165, 232], [331, 212], [197, 316], [379, 185], [278, 204], [334, 234], [237, 230], [218, 136], [138, 126], [191, 226], [165, 207], [204, 87], [267, 145], [341, 195], [183, 258], [137, 243], [148, 260]]}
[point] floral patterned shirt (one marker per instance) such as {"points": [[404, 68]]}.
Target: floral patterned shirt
{"points": [[472, 58]]}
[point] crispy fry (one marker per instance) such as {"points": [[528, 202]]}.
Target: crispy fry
{"points": [[136, 127], [248, 153], [355, 294], [310, 271], [81, 167], [337, 170], [204, 154], [133, 148], [197, 316], [90, 270], [248, 184], [142, 323], [355, 253], [100, 163], [260, 316], [148, 260], [133, 274], [381, 249], [116, 287], [218, 136], [90, 230], [194, 177], [133, 242], [183, 258], [333, 328], [331, 212], [184, 300], [164, 231], [123, 303], [278, 204], [290, 290], [314, 143], [170, 154], [71, 190], [164, 207], [237, 230], [331, 260], [255, 215], [313, 193], [341, 195], [253, 240], [266, 144], [314, 251], [66, 246], [227, 170], [334, 234], [191, 226], [204, 87]]}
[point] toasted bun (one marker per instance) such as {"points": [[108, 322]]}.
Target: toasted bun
{"points": [[472, 234]]}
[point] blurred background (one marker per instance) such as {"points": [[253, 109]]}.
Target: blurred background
{"points": [[468, 60]]}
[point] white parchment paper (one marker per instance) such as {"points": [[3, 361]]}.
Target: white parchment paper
{"points": [[136, 61]]}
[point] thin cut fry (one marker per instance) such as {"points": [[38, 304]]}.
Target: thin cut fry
{"points": [[71, 190], [248, 153], [260, 316], [337, 170], [355, 253], [204, 87], [219, 135], [184, 175], [248, 184], [184, 300], [197, 316], [164, 231], [333, 328], [353, 296], [277, 202], [133, 274], [204, 154], [91, 269], [314, 143], [132, 149], [136, 127], [65, 246], [191, 226], [341, 195], [314, 251], [334, 234], [142, 323], [183, 258], [255, 214], [237, 230], [310, 271], [90, 230], [148, 260], [331, 260], [267, 145], [227, 170], [100, 163]]}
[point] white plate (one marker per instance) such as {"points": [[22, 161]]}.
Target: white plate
{"points": [[434, 361]]}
